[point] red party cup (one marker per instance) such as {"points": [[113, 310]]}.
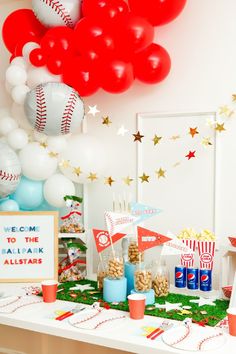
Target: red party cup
{"points": [[136, 306], [232, 320], [49, 289]]}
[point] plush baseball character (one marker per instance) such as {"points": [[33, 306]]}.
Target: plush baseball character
{"points": [[53, 13], [10, 170], [54, 109]]}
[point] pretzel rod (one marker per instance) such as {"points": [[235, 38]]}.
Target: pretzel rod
{"points": [[204, 340], [12, 302], [181, 339], [108, 320], [88, 318]]}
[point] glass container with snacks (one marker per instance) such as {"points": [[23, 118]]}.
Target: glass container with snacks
{"points": [[115, 266], [160, 280], [101, 272], [134, 255], [142, 279]]}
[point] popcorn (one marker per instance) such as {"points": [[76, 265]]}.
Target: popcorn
{"points": [[206, 235], [187, 234]]}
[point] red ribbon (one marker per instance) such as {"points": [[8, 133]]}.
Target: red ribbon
{"points": [[71, 213]]}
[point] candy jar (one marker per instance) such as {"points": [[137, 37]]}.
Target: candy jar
{"points": [[101, 272], [142, 279], [134, 256], [160, 281], [115, 267]]}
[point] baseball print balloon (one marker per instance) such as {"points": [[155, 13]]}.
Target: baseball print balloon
{"points": [[10, 170], [53, 13], [54, 109]]}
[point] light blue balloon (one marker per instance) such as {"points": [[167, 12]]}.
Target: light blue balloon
{"points": [[29, 194], [9, 205], [46, 207]]}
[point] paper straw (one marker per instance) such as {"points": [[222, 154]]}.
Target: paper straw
{"points": [[113, 202], [101, 260]]}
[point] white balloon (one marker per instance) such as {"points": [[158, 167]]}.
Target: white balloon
{"points": [[4, 112], [8, 87], [7, 124], [36, 163], [41, 75], [19, 61], [40, 137], [57, 13], [19, 93], [15, 75], [17, 111], [27, 49], [17, 139], [86, 152], [55, 188], [56, 143]]}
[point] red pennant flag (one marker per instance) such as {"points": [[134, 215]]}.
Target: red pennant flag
{"points": [[148, 239], [102, 239]]}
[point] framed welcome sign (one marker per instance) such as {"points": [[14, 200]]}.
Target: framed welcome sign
{"points": [[28, 246]]}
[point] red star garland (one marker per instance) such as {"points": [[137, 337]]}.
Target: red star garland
{"points": [[190, 155]]}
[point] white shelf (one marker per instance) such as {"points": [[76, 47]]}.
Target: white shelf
{"points": [[81, 235]]}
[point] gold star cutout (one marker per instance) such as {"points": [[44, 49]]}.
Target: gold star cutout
{"points": [[106, 121], [127, 180], [144, 178], [92, 176], [156, 139], [220, 127], [77, 171], [206, 141], [234, 97], [211, 122], [193, 131], [64, 163], [43, 144], [160, 173], [53, 154], [176, 164], [223, 110], [109, 180], [175, 137], [138, 137]]}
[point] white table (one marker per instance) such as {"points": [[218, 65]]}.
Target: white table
{"points": [[36, 318]]}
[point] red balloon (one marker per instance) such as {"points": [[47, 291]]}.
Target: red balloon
{"points": [[55, 63], [106, 9], [37, 57], [116, 76], [81, 75], [19, 25], [132, 33], [157, 12], [152, 65], [58, 39]]}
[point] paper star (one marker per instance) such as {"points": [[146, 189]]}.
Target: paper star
{"points": [[127, 180], [211, 122], [184, 312], [176, 164], [206, 141], [138, 137], [93, 110], [234, 97], [156, 139], [203, 301], [122, 131], [144, 178], [53, 154], [220, 127], [169, 306], [77, 171], [82, 288], [92, 176], [106, 121], [175, 137], [64, 163], [224, 110], [43, 144], [160, 173], [193, 131], [109, 181], [191, 154]]}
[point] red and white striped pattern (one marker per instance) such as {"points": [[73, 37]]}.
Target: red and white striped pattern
{"points": [[187, 259], [206, 250]]}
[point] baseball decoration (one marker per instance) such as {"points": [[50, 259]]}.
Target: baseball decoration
{"points": [[53, 13], [54, 109], [10, 170]]}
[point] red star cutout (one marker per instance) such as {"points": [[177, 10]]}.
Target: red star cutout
{"points": [[193, 131], [191, 154]]}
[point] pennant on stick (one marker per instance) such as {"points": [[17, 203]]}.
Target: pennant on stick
{"points": [[143, 212], [174, 246], [116, 222], [103, 239], [148, 239]]}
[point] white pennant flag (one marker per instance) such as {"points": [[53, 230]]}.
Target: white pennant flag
{"points": [[174, 246], [117, 222]]}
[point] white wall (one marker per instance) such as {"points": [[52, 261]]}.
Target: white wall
{"points": [[201, 43]]}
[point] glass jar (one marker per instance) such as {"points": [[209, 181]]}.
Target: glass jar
{"points": [[115, 267], [142, 279], [160, 281], [133, 252], [101, 272]]}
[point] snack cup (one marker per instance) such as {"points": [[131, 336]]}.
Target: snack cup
{"points": [[137, 306], [232, 320], [49, 289]]}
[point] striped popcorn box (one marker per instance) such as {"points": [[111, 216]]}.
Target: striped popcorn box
{"points": [[206, 250], [187, 259]]}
